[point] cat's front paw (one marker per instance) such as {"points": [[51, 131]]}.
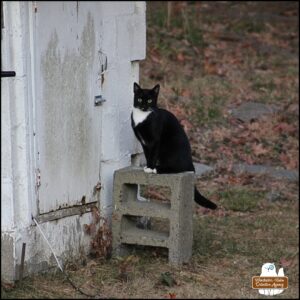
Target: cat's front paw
{"points": [[149, 170]]}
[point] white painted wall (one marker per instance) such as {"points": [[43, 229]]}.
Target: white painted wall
{"points": [[119, 30]]}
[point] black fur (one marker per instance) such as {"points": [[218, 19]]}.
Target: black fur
{"points": [[165, 144]]}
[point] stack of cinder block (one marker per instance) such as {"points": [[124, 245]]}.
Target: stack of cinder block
{"points": [[179, 212]]}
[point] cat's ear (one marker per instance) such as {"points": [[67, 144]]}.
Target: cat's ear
{"points": [[156, 90], [136, 87]]}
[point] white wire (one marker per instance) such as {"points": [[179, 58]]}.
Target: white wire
{"points": [[47, 242], [67, 276]]}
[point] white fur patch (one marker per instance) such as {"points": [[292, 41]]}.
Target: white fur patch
{"points": [[139, 116]]}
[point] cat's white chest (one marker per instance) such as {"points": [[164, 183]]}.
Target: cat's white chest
{"points": [[139, 116]]}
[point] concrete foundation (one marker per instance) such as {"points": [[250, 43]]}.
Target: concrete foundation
{"points": [[179, 212]]}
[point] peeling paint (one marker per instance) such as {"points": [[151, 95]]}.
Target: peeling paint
{"points": [[66, 91]]}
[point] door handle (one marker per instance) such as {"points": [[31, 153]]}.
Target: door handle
{"points": [[8, 73]]}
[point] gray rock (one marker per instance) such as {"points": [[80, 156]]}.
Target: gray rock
{"points": [[273, 196], [201, 169], [275, 172], [252, 110]]}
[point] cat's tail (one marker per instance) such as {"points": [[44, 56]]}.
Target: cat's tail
{"points": [[201, 200]]}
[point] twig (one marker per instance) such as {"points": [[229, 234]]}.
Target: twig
{"points": [[169, 7]]}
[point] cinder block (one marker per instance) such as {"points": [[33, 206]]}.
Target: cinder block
{"points": [[179, 212]]}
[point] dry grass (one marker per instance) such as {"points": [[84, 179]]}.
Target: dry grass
{"points": [[229, 248]]}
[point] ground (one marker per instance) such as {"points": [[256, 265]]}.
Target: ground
{"points": [[211, 58]]}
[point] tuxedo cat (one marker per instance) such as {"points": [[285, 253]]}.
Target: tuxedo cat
{"points": [[165, 144]]}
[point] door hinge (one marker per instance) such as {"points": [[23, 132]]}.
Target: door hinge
{"points": [[8, 73], [35, 6], [38, 177]]}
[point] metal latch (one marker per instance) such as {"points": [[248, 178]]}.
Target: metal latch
{"points": [[38, 178], [8, 73], [99, 100]]}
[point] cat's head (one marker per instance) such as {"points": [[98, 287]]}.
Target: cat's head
{"points": [[145, 99]]}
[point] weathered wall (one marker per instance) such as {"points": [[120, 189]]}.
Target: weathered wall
{"points": [[47, 126], [17, 190], [127, 42]]}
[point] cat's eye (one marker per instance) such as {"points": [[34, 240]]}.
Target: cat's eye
{"points": [[140, 100], [150, 100]]}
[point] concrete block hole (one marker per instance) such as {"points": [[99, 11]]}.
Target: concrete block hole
{"points": [[132, 192], [151, 194], [159, 225]]}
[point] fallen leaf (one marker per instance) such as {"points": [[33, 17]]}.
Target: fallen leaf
{"points": [[247, 158], [186, 93], [187, 125], [171, 296], [95, 214], [90, 229], [294, 108], [258, 149], [226, 150], [284, 158], [210, 68], [7, 285], [238, 141], [289, 13], [220, 133], [254, 126], [284, 262], [155, 195], [178, 111], [196, 50], [289, 160], [180, 57], [233, 180], [126, 267], [155, 59], [285, 128]]}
